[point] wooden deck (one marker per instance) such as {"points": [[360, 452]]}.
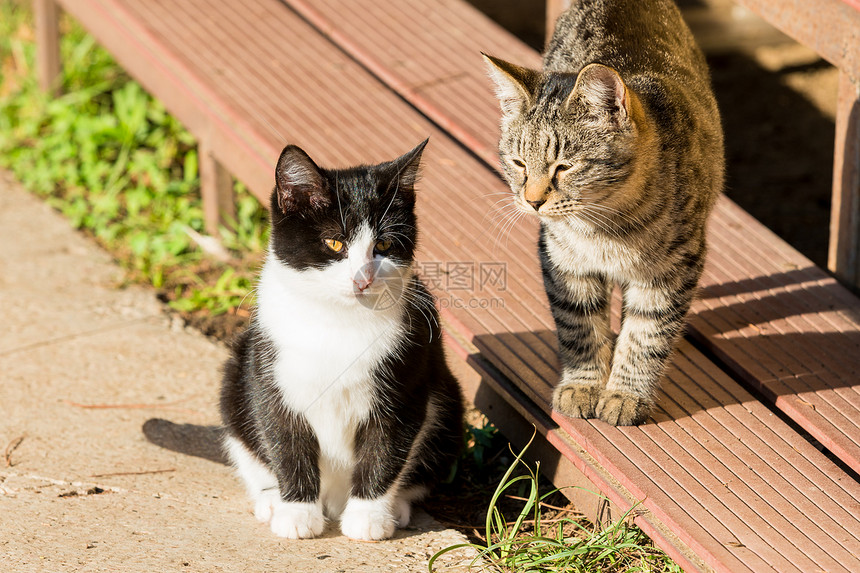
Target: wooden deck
{"points": [[723, 479], [762, 286]]}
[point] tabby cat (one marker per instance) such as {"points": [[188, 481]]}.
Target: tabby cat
{"points": [[616, 145], [337, 401]]}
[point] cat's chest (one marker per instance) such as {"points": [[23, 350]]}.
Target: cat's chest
{"points": [[327, 363], [321, 356], [577, 252]]}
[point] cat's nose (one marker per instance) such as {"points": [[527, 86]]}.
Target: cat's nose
{"points": [[537, 204], [361, 283]]}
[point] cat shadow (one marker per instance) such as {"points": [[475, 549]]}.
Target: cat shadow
{"points": [[188, 439], [791, 296]]}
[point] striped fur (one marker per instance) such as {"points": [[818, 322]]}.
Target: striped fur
{"points": [[617, 146]]}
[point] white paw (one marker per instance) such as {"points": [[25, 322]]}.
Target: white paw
{"points": [[297, 520], [265, 503], [402, 512], [370, 520]]}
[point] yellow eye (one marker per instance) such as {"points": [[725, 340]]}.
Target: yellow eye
{"points": [[334, 245], [383, 245]]}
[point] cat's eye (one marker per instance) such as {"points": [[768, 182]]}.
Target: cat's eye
{"points": [[383, 245], [518, 163], [334, 245], [560, 169]]}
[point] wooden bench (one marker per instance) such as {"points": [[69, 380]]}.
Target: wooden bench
{"points": [[720, 479]]}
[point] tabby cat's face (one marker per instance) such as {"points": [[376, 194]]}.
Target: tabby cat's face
{"points": [[350, 234], [568, 142]]}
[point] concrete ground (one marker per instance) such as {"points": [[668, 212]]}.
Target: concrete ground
{"points": [[83, 364]]}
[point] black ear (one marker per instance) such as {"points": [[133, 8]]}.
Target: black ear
{"points": [[514, 84], [299, 183], [603, 90], [407, 168]]}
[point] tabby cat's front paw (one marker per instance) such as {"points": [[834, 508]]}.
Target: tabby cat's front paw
{"points": [[297, 520], [576, 400], [622, 409], [366, 519]]}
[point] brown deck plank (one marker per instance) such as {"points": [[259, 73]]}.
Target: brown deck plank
{"points": [[451, 30], [454, 91], [740, 469], [797, 343], [454, 196]]}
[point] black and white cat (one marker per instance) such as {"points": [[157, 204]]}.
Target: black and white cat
{"points": [[337, 401]]}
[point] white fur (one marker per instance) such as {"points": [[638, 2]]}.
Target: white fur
{"points": [[329, 343], [377, 518], [369, 519], [293, 520], [297, 520], [573, 248], [261, 484]]}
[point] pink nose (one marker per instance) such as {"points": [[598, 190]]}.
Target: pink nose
{"points": [[362, 283]]}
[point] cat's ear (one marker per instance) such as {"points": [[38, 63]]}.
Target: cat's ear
{"points": [[299, 182], [603, 90], [407, 167], [514, 84]]}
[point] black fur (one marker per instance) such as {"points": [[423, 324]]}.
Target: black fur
{"points": [[310, 204]]}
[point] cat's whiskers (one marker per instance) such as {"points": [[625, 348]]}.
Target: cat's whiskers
{"points": [[506, 196], [506, 199], [493, 213], [393, 195], [494, 193], [423, 302], [400, 237], [600, 221], [600, 216], [387, 225], [422, 297], [339, 207], [614, 218], [517, 215], [500, 218], [624, 216], [253, 291], [501, 222], [500, 214]]}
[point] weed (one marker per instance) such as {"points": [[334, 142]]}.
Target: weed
{"points": [[532, 543]]}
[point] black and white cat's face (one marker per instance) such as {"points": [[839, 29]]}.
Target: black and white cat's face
{"points": [[350, 233]]}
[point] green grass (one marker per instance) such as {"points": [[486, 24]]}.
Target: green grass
{"points": [[108, 156], [533, 543]]}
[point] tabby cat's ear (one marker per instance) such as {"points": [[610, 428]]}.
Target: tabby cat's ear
{"points": [[407, 167], [514, 84], [603, 90], [298, 182]]}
